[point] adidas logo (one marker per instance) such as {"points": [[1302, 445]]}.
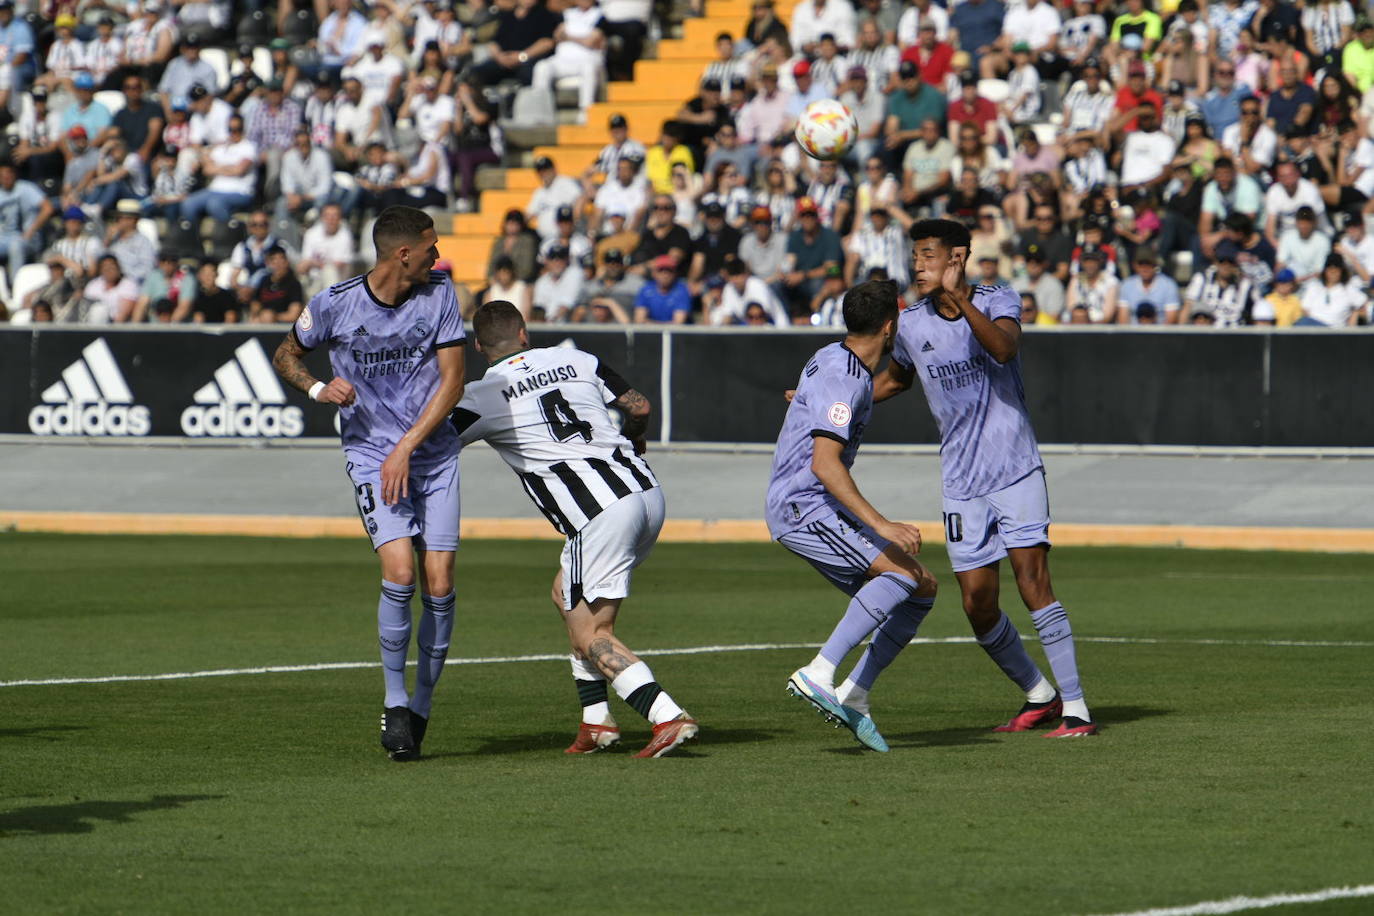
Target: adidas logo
{"points": [[92, 399], [360, 331], [928, 347], [243, 399]]}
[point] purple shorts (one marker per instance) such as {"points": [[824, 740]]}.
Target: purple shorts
{"points": [[429, 514], [839, 547], [979, 531]]}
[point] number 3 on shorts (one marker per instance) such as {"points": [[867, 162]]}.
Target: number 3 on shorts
{"points": [[366, 502], [954, 527]]}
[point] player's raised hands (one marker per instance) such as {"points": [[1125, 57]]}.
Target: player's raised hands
{"points": [[338, 391], [952, 279], [906, 537]]}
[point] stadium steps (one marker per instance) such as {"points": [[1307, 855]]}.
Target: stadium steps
{"points": [[660, 87]]}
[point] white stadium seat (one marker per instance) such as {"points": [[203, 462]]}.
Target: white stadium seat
{"points": [[995, 91], [112, 99], [149, 229], [217, 58], [27, 279]]}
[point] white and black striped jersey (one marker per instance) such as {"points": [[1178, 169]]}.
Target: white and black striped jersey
{"points": [[544, 411]]}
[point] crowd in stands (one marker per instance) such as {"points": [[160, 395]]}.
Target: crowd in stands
{"points": [[1200, 163]]}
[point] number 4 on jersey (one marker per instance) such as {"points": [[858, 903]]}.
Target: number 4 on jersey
{"points": [[561, 419]]}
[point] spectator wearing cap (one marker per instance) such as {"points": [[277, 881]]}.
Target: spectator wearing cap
{"points": [[813, 18], [762, 248], [39, 132], [504, 285], [278, 297], [280, 65], [82, 161], [610, 296], [209, 118], [1045, 286], [23, 212], [66, 56], [379, 72], [271, 128], [1221, 104], [307, 179], [1221, 294], [524, 36], [975, 27], [1094, 287], [77, 250], [931, 55], [1228, 192], [620, 145], [1146, 152], [186, 71], [1292, 104], [1148, 284], [135, 252], [554, 191], [625, 191], [1283, 303], [1178, 110], [167, 293], [741, 289], [660, 158], [559, 284], [665, 299], [1037, 23], [1084, 172], [85, 111], [1289, 193], [1250, 141], [880, 242], [1082, 36], [340, 36], [580, 52], [971, 108], [1302, 249], [764, 117], [230, 169], [727, 149], [807, 91], [662, 236], [321, 110], [718, 239], [909, 106], [567, 237], [18, 46], [811, 248]]}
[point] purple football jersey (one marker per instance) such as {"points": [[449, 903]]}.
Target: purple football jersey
{"points": [[388, 354], [986, 440], [834, 399]]}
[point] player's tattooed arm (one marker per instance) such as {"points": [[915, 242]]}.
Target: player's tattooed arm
{"points": [[637, 408], [607, 660], [287, 362]]}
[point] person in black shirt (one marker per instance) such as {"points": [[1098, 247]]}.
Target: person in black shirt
{"points": [[139, 123], [213, 305], [662, 236], [717, 241], [1182, 208], [701, 117], [523, 37], [278, 297], [1048, 239]]}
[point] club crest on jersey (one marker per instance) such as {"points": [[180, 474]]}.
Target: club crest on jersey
{"points": [[421, 328], [307, 320], [839, 414]]}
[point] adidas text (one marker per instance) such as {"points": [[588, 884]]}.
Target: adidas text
{"points": [[252, 420], [90, 419]]}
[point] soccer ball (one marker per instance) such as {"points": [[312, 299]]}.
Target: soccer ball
{"points": [[827, 129]]}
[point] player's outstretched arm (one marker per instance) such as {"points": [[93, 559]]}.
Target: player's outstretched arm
{"points": [[287, 362], [835, 477], [396, 467], [892, 381]]}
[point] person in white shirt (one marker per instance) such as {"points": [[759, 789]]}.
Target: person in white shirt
{"points": [[554, 191], [358, 121], [742, 289], [1303, 249], [916, 15], [1357, 247], [1251, 142], [581, 52], [1036, 22], [1331, 301], [1289, 192], [558, 287], [231, 168], [1023, 83], [104, 51], [626, 192], [209, 118], [65, 58], [1094, 288], [380, 73], [813, 18], [307, 176], [433, 114], [1146, 154], [327, 252]]}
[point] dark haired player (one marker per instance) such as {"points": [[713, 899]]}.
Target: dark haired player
{"points": [[545, 413], [395, 338], [963, 341], [815, 510]]}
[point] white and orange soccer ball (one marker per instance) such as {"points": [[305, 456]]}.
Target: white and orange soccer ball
{"points": [[827, 129]]}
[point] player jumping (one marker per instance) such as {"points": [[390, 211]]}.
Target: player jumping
{"points": [[395, 338], [963, 341], [815, 510], [544, 411]]}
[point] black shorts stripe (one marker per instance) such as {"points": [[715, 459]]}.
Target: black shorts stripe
{"points": [[611, 478], [644, 482], [540, 495], [586, 502], [837, 543]]}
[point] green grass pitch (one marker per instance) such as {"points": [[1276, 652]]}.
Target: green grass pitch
{"points": [[1225, 768]]}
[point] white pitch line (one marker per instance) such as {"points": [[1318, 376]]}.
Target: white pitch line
{"points": [[686, 650], [1239, 904]]}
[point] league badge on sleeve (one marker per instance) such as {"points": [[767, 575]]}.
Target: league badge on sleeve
{"points": [[839, 414], [306, 321]]}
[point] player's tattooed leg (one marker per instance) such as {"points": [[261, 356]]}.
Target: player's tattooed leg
{"points": [[603, 654]]}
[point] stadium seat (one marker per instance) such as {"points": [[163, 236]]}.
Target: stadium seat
{"points": [[148, 229], [27, 279], [219, 60], [300, 27], [995, 91], [224, 275], [255, 29], [183, 239], [224, 237], [345, 180], [112, 99], [262, 64]]}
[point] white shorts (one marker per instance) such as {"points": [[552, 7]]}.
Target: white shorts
{"points": [[980, 531], [598, 560]]}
